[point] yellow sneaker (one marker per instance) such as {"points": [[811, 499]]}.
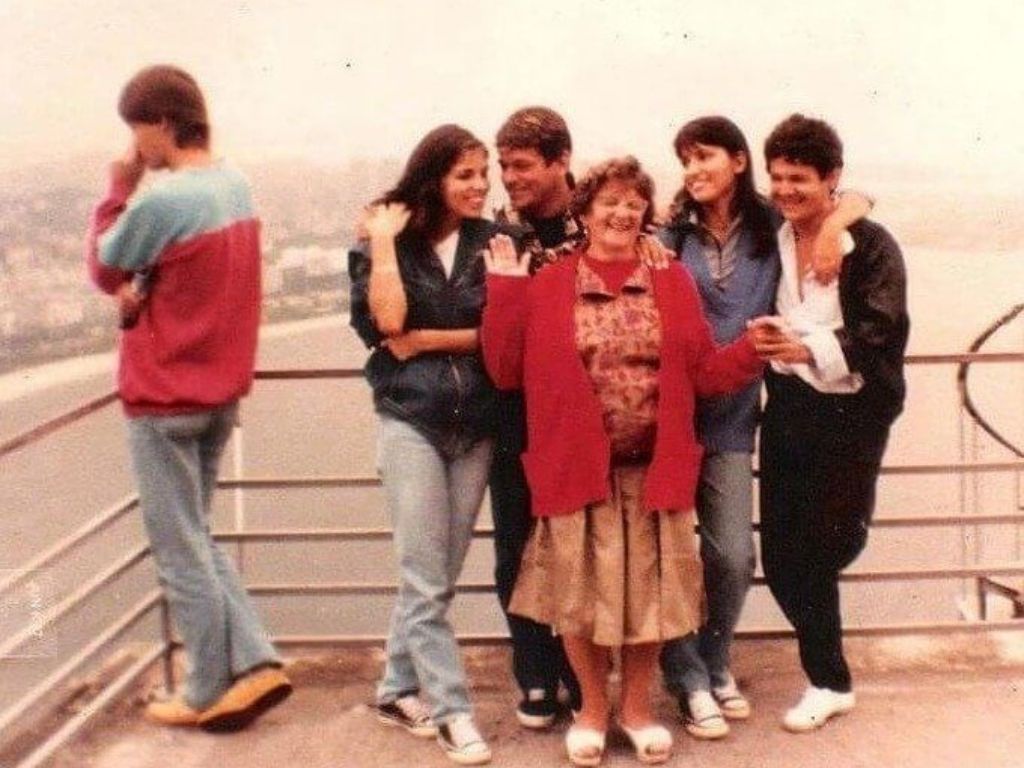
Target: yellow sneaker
{"points": [[247, 699], [172, 711]]}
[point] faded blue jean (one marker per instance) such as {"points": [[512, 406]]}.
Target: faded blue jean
{"points": [[175, 459], [433, 500], [724, 510]]}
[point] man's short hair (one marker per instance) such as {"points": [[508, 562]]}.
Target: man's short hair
{"points": [[165, 92], [536, 128], [807, 141]]}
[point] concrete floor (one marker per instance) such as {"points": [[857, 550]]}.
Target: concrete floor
{"points": [[946, 702]]}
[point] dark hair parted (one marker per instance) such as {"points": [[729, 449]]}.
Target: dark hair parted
{"points": [[165, 92], [538, 128], [718, 131], [419, 187], [623, 169], [807, 141]]}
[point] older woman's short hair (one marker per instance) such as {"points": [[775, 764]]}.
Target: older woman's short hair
{"points": [[622, 169]]}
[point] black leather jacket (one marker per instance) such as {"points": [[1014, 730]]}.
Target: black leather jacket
{"points": [[446, 396]]}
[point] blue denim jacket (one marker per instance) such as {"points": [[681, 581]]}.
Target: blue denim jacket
{"points": [[728, 423]]}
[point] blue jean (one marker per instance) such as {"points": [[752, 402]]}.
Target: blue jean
{"points": [[433, 500], [175, 459], [724, 510]]}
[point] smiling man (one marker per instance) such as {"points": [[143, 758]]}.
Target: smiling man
{"points": [[834, 388], [534, 151]]}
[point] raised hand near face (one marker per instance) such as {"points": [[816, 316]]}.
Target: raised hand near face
{"points": [[129, 168], [386, 220], [501, 258]]}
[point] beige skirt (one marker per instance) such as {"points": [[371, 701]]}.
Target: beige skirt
{"points": [[613, 573]]}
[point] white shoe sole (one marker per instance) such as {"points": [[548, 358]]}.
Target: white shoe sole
{"points": [[808, 727], [535, 722]]}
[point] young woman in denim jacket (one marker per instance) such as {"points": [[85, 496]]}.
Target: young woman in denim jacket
{"points": [[417, 298], [723, 231]]}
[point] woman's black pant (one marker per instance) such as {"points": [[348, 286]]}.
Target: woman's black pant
{"points": [[819, 462]]}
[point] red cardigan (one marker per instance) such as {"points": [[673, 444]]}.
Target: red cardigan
{"points": [[528, 339]]}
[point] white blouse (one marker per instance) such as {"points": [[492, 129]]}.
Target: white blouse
{"points": [[814, 318]]}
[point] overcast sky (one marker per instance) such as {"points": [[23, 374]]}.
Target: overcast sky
{"points": [[910, 82]]}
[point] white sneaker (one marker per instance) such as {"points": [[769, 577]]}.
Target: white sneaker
{"points": [[408, 712], [815, 708], [462, 742], [734, 705], [702, 717]]}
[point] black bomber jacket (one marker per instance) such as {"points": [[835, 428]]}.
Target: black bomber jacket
{"points": [[446, 396]]}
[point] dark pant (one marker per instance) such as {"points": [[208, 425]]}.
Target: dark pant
{"points": [[820, 456], [538, 659]]}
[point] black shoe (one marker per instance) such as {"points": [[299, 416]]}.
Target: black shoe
{"points": [[410, 713], [538, 709]]}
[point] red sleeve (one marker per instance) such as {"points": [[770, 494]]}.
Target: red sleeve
{"points": [[103, 217], [718, 370], [503, 330]]}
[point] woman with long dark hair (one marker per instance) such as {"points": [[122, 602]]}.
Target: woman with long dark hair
{"points": [[724, 232], [417, 298]]}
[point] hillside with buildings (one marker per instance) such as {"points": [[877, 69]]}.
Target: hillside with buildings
{"points": [[49, 311]]}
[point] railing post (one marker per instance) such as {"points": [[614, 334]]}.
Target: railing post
{"points": [[168, 639], [239, 495]]}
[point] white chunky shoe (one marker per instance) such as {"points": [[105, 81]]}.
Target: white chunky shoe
{"points": [[734, 705], [702, 717], [815, 708], [462, 742]]}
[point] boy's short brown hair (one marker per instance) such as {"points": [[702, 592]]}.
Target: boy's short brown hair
{"points": [[538, 128], [165, 92]]}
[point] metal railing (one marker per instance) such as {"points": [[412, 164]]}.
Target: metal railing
{"points": [[153, 602]]}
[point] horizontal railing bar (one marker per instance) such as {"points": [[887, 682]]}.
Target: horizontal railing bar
{"points": [[931, 521], [322, 534], [285, 535], [80, 719], [483, 587], [966, 357], [68, 543], [40, 431], [72, 601], [914, 359], [369, 481], [290, 374], [946, 469], [315, 481], [129, 620], [753, 633]]}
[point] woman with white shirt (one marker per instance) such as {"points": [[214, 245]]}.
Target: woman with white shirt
{"points": [[834, 388], [417, 301]]}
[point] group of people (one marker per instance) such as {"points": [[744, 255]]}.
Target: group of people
{"points": [[598, 370]]}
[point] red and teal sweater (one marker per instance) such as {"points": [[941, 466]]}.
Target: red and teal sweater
{"points": [[194, 346]]}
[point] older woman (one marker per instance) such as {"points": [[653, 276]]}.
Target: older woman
{"points": [[417, 295], [611, 355]]}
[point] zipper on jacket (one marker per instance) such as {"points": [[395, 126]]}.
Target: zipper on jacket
{"points": [[458, 387]]}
